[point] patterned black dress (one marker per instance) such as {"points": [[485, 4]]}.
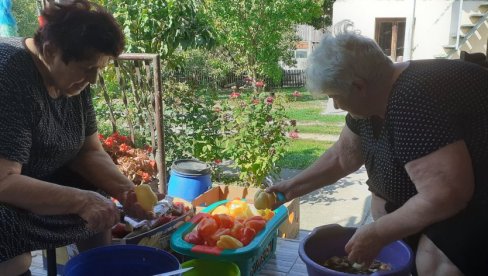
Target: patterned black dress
{"points": [[42, 134], [432, 104]]}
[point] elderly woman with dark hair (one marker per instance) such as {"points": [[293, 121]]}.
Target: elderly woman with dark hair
{"points": [[49, 144], [421, 130]]}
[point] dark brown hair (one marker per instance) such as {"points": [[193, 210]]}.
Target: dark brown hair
{"points": [[79, 29]]}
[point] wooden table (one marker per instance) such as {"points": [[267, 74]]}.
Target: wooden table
{"points": [[285, 261]]}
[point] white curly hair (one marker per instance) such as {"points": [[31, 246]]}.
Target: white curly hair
{"points": [[344, 55]]}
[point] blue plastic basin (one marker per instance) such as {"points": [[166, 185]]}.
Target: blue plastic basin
{"points": [[121, 260], [329, 240]]}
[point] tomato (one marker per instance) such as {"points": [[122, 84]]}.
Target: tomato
{"points": [[207, 227], [224, 221]]}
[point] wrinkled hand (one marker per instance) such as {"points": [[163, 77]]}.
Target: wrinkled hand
{"points": [[133, 208], [99, 212], [365, 245]]}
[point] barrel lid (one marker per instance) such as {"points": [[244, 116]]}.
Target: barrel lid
{"points": [[190, 167]]}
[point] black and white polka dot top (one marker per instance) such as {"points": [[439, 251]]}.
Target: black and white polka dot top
{"points": [[37, 131], [433, 103]]}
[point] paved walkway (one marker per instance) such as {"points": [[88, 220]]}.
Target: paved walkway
{"points": [[346, 202]]}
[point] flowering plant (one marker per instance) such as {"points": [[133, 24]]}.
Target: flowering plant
{"points": [[296, 94], [132, 162], [255, 134]]}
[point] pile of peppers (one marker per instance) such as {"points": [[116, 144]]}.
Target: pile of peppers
{"points": [[227, 230]]}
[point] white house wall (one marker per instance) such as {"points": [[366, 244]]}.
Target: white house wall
{"points": [[436, 21]]}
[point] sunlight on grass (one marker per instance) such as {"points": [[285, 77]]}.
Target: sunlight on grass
{"points": [[302, 153], [328, 129]]}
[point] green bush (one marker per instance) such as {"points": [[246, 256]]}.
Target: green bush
{"points": [[255, 134]]}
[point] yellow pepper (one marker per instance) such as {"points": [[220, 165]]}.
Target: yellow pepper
{"points": [[238, 209], [267, 214], [228, 242], [264, 200], [146, 197]]}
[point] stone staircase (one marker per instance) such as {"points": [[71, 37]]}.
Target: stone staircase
{"points": [[471, 35]]}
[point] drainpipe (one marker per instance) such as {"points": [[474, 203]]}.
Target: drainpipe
{"points": [[407, 51], [458, 33]]}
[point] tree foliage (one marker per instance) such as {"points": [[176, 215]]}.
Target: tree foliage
{"points": [[25, 14], [161, 26], [325, 19], [254, 32]]}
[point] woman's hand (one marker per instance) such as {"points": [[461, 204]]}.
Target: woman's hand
{"points": [[99, 212], [286, 188], [133, 209], [365, 245]]}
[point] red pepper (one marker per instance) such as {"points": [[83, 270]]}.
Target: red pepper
{"points": [[214, 238], [257, 225], [162, 220], [120, 230], [246, 235], [223, 220], [235, 230], [207, 227], [194, 238]]}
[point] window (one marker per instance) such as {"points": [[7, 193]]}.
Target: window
{"points": [[301, 54], [390, 36]]}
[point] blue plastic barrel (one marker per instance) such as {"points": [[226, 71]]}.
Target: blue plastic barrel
{"points": [[188, 179], [121, 260]]}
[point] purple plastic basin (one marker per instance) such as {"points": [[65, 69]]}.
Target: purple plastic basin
{"points": [[329, 240]]}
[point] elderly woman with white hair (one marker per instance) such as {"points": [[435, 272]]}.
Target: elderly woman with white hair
{"points": [[421, 130]]}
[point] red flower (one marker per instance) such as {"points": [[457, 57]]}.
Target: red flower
{"points": [[123, 139], [234, 95], [109, 142], [259, 84], [218, 161], [269, 100], [293, 134], [152, 163], [146, 177], [296, 94], [101, 137], [124, 148]]}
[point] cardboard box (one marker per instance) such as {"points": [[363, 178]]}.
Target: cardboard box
{"points": [[289, 229]]}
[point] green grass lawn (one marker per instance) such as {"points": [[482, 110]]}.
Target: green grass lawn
{"points": [[302, 153], [326, 129]]}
